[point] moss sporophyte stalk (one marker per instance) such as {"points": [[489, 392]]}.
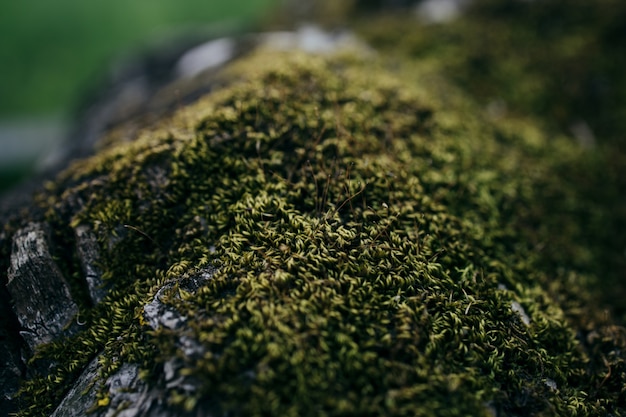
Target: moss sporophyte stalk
{"points": [[331, 235]]}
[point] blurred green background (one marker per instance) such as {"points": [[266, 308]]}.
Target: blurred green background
{"points": [[50, 51]]}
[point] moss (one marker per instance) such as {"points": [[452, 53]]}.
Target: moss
{"points": [[559, 60], [560, 64], [377, 244]]}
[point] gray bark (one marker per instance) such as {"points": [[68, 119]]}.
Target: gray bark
{"points": [[87, 250], [37, 307], [127, 394], [41, 296]]}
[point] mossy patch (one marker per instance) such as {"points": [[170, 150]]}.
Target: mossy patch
{"points": [[377, 248], [560, 63], [559, 60]]}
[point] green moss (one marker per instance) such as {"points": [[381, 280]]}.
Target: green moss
{"points": [[558, 60], [559, 63], [378, 248]]}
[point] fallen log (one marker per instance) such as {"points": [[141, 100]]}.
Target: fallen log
{"points": [[325, 232]]}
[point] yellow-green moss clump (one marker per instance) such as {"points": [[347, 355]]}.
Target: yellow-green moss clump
{"points": [[378, 247]]}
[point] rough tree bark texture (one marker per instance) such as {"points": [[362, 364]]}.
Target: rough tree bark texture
{"points": [[319, 228]]}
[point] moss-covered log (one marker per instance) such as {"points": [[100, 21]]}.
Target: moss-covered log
{"points": [[338, 234]]}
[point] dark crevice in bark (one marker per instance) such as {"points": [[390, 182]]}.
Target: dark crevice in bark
{"points": [[12, 369]]}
